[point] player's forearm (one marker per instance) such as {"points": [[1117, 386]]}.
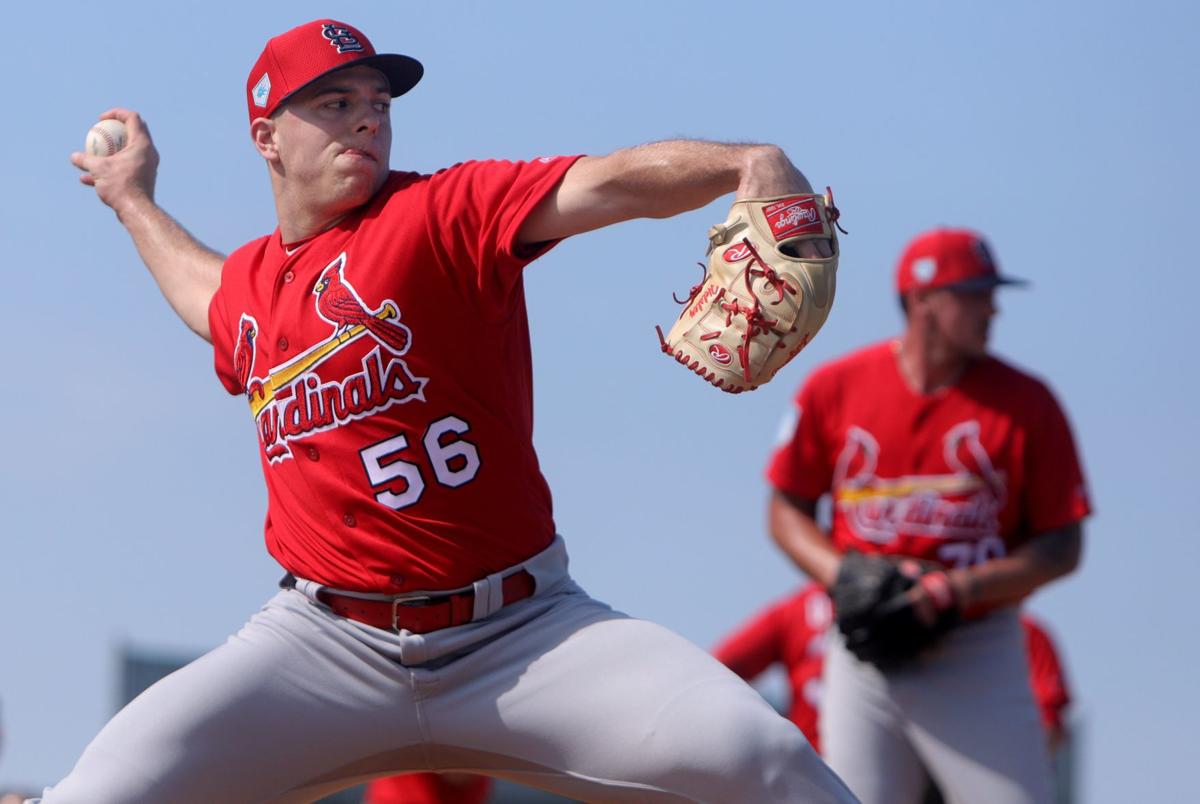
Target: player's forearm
{"points": [[658, 180], [662, 179], [1006, 581], [187, 272], [793, 526]]}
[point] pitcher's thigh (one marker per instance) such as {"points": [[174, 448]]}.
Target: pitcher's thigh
{"points": [[282, 701], [608, 708]]}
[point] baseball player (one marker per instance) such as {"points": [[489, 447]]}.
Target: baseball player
{"points": [[957, 474], [427, 620], [792, 632]]}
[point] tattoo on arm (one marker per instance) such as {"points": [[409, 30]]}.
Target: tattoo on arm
{"points": [[1058, 551], [801, 504]]}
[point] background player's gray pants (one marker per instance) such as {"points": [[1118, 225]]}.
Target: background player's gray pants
{"points": [[964, 711], [557, 691]]}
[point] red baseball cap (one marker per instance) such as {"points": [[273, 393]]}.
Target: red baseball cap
{"points": [[949, 258], [293, 60]]}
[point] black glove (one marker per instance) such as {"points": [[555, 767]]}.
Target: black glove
{"points": [[875, 613]]}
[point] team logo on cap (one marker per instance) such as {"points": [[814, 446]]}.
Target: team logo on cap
{"points": [[262, 91], [924, 269], [985, 256], [342, 38]]}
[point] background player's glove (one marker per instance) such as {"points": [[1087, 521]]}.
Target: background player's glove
{"points": [[875, 608], [760, 302]]}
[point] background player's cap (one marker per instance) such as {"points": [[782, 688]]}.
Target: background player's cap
{"points": [[293, 60], [949, 258]]}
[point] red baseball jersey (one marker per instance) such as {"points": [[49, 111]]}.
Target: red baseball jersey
{"points": [[958, 476], [387, 365], [1046, 675], [429, 788], [790, 632]]}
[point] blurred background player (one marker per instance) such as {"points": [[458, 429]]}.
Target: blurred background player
{"points": [[933, 449], [791, 633]]}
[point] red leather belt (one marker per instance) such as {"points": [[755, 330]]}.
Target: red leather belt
{"points": [[422, 613]]}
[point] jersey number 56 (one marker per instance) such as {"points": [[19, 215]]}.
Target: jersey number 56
{"points": [[455, 462]]}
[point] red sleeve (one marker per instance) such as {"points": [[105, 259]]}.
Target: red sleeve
{"points": [[1055, 494], [801, 464], [756, 644], [476, 209], [223, 336], [223, 329], [1045, 675]]}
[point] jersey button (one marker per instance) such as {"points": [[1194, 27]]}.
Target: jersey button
{"points": [[350, 520], [288, 277], [283, 344], [313, 454]]}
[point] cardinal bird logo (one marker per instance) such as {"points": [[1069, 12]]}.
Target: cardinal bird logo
{"points": [[243, 353], [339, 304], [962, 504], [293, 401]]}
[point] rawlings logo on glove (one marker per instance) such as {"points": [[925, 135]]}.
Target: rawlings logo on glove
{"points": [[760, 301]]}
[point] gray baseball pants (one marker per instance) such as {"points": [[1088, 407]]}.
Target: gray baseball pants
{"points": [[557, 691], [962, 712]]}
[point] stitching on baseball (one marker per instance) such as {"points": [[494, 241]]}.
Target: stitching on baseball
{"points": [[109, 142]]}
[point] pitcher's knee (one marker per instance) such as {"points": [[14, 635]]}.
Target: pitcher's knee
{"points": [[742, 750], [765, 751], [773, 762]]}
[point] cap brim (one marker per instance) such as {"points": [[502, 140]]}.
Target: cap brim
{"points": [[986, 283], [402, 72]]}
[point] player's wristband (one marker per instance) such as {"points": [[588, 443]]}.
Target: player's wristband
{"points": [[938, 587]]}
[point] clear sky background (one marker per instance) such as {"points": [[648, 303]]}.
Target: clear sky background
{"points": [[130, 489]]}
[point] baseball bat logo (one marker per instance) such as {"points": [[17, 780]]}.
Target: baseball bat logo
{"points": [[963, 503]]}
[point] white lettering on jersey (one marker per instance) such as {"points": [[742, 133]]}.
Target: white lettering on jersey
{"points": [[963, 505]]}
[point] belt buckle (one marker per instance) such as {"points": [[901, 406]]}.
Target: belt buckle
{"points": [[406, 600]]}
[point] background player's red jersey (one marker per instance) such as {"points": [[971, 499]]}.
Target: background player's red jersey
{"points": [[396, 438], [1046, 675], [968, 470]]}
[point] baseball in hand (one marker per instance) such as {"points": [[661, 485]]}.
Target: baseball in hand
{"points": [[105, 138]]}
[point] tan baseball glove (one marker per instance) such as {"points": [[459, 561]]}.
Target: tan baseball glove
{"points": [[760, 302]]}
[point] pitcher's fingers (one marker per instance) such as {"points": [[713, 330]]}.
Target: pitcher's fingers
{"points": [[82, 161], [134, 124]]}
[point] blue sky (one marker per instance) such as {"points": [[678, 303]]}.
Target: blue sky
{"points": [[1064, 131]]}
